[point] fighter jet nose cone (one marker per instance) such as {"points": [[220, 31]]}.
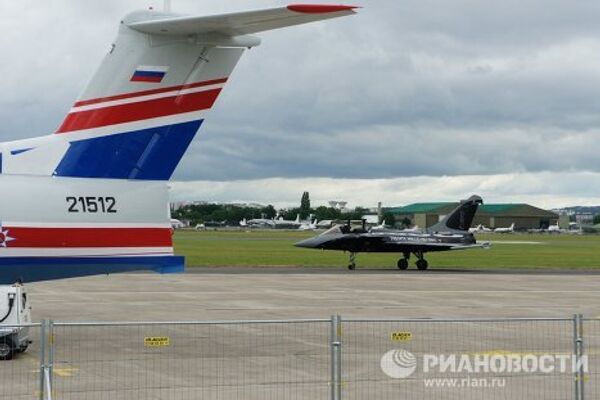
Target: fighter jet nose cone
{"points": [[301, 243], [307, 244]]}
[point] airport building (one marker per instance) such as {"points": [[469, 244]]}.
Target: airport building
{"points": [[524, 216]]}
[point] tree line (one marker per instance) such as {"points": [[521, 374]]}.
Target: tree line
{"points": [[233, 214]]}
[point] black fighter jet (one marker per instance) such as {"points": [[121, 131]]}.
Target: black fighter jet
{"points": [[451, 233]]}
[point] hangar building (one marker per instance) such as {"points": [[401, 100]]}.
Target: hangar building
{"points": [[524, 216]]}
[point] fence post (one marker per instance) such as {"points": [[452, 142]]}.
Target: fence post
{"points": [[336, 358], [580, 362], [339, 356], [332, 329], [46, 363], [42, 358], [575, 352], [51, 348], [578, 354]]}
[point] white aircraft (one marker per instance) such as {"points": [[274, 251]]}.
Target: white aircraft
{"points": [[325, 224], [176, 224], [281, 223], [480, 229], [308, 225], [260, 223], [278, 223], [92, 197], [510, 229], [554, 229]]}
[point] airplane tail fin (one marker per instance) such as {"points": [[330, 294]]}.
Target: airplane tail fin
{"points": [[461, 218], [144, 105], [151, 94]]}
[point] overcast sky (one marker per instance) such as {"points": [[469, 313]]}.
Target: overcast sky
{"points": [[407, 101]]}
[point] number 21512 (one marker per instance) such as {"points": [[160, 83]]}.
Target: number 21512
{"points": [[92, 204]]}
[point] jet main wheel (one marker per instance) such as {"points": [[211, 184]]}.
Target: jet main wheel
{"points": [[422, 265], [403, 264]]}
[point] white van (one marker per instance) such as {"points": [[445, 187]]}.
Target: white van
{"points": [[14, 313]]}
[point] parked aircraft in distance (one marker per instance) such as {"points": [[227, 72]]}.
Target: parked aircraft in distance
{"points": [[451, 233], [92, 198], [510, 229], [281, 223], [308, 225], [556, 229], [574, 229], [480, 229], [176, 224], [325, 224], [263, 223], [267, 223]]}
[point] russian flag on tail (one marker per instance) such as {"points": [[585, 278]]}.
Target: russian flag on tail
{"points": [[149, 74]]}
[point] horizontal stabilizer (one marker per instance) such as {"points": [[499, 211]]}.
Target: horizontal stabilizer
{"points": [[242, 23]]}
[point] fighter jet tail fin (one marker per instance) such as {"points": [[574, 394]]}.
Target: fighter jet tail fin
{"points": [[461, 218]]}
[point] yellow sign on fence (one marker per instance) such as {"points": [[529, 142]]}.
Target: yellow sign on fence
{"points": [[401, 336], [157, 341]]}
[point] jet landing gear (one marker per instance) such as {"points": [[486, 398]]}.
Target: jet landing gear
{"points": [[352, 263], [403, 262], [422, 263]]}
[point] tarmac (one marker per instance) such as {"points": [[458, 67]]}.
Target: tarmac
{"points": [[230, 359], [272, 293]]}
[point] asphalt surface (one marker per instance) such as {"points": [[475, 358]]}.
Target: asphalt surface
{"points": [[228, 360], [271, 293]]}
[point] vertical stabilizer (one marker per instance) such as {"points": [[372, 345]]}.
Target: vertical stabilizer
{"points": [[461, 218], [144, 105]]}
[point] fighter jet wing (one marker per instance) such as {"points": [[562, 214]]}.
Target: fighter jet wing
{"points": [[436, 245], [242, 23], [483, 245]]}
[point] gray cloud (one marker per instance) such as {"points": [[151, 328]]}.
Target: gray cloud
{"points": [[567, 189]]}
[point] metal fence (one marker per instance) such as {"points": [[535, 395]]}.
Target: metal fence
{"points": [[310, 359]]}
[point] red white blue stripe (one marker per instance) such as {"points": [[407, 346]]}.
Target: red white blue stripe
{"points": [[140, 135], [39, 253], [140, 106]]}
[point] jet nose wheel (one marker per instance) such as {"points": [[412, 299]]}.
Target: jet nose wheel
{"points": [[422, 265], [352, 262], [403, 264]]}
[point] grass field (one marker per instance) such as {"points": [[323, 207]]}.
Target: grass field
{"points": [[275, 248]]}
